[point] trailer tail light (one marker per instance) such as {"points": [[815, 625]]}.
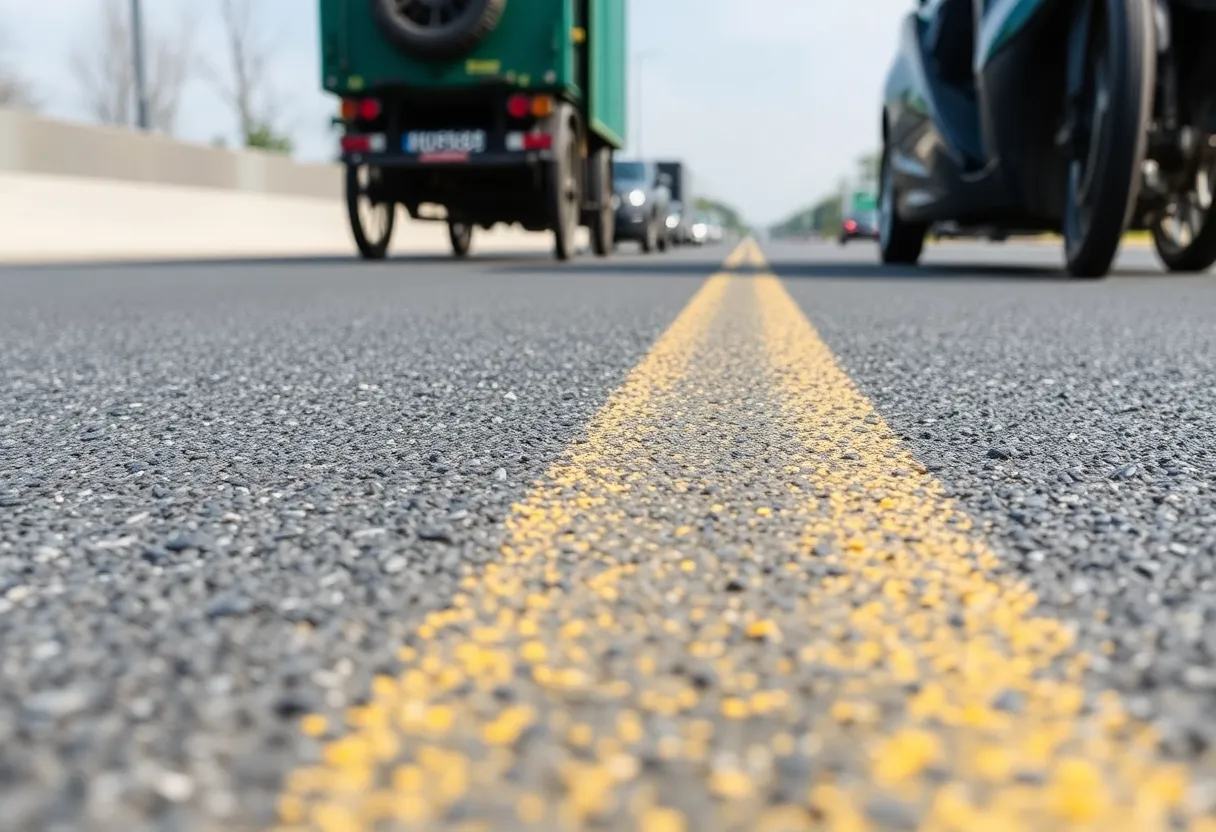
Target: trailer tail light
{"points": [[369, 109], [350, 109], [373, 143], [529, 141], [518, 106], [542, 105]]}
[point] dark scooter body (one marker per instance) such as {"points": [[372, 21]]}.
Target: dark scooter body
{"points": [[1082, 117]]}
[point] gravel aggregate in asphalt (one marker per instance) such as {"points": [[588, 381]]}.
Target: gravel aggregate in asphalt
{"points": [[229, 494], [230, 491], [1075, 422]]}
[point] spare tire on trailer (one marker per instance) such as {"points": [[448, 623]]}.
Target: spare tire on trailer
{"points": [[437, 29]]}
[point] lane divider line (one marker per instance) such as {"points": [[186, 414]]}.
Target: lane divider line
{"points": [[738, 603], [996, 728]]}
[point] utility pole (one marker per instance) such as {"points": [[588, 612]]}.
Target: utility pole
{"points": [[137, 50]]}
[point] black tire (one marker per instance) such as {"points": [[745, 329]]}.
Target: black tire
{"points": [[565, 189], [649, 239], [461, 236], [899, 242], [462, 24], [1103, 180], [1190, 246], [603, 223], [373, 244]]}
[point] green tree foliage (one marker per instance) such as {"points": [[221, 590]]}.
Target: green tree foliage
{"points": [[824, 217], [263, 137], [731, 219]]}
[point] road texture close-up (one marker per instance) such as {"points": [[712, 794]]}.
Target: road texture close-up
{"points": [[726, 539]]}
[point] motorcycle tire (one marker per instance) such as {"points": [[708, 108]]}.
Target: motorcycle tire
{"points": [[1197, 252], [899, 242], [1104, 177], [408, 25]]}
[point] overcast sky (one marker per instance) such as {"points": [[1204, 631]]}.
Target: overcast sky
{"points": [[769, 101]]}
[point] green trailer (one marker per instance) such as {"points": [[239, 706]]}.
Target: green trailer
{"points": [[500, 111]]}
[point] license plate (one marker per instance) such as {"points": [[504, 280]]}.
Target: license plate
{"points": [[429, 142]]}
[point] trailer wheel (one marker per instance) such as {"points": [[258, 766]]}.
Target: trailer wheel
{"points": [[603, 224], [565, 190], [650, 239], [371, 218], [461, 235], [437, 29]]}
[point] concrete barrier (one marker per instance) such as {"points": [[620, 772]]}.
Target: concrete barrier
{"points": [[72, 192]]}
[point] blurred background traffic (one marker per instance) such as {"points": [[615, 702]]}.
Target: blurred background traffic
{"points": [[778, 136]]}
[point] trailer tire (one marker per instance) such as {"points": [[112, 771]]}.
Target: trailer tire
{"points": [[603, 220], [461, 236], [564, 187], [372, 243], [471, 22]]}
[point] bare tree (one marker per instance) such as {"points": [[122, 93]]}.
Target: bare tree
{"points": [[103, 66], [245, 84], [15, 90]]}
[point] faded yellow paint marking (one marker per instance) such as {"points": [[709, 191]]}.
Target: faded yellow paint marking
{"points": [[994, 704], [746, 253], [737, 604]]}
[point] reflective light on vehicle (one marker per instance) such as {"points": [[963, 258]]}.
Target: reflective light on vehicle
{"points": [[373, 143], [542, 105], [529, 141], [518, 106], [637, 198], [369, 109]]}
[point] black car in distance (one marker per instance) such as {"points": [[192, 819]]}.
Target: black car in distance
{"points": [[642, 198], [859, 225]]}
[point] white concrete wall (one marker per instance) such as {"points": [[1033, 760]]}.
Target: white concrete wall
{"points": [[70, 192]]}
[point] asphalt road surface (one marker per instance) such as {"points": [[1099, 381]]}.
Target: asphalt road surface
{"points": [[710, 540]]}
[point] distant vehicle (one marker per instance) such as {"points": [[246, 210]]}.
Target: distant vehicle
{"points": [[642, 199], [452, 104], [680, 231], [682, 193], [700, 228], [1086, 119], [862, 225]]}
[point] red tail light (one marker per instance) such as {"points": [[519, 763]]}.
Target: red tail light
{"points": [[850, 225], [369, 109], [538, 141], [356, 144], [518, 106]]}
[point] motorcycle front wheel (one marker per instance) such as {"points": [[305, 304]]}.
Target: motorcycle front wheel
{"points": [[1111, 123]]}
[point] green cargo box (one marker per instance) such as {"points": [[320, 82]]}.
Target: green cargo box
{"points": [[574, 48], [497, 111]]}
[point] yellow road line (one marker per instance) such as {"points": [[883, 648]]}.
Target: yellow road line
{"points": [[996, 703], [738, 603]]}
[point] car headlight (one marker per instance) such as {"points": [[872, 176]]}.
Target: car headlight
{"points": [[699, 228], [637, 198], [673, 221]]}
